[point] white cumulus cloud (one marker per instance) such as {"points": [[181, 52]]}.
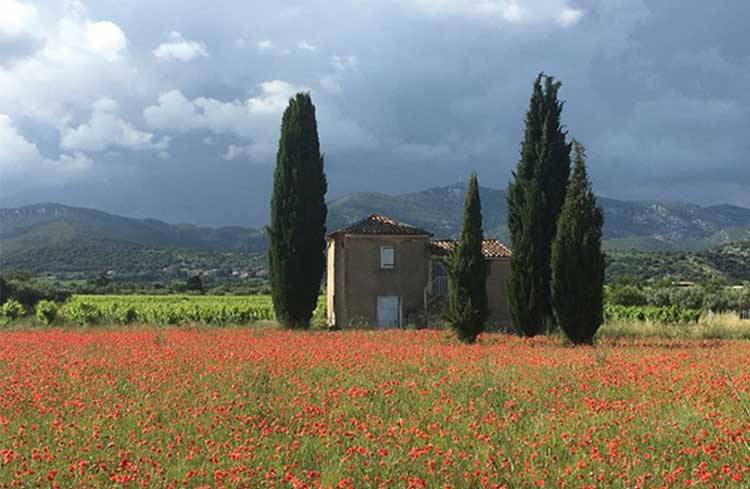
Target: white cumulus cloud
{"points": [[18, 20], [106, 129], [306, 46], [174, 111], [256, 153], [19, 158], [77, 59], [181, 49], [344, 63], [569, 16], [512, 11], [256, 119]]}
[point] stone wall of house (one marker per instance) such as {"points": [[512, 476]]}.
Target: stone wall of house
{"points": [[359, 279], [331, 281], [497, 292]]}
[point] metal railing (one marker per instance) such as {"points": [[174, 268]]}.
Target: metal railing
{"points": [[437, 288]]}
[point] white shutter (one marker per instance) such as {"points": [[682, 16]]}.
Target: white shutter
{"points": [[387, 257]]}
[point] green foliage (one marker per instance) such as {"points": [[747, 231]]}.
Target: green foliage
{"points": [[660, 296], [688, 297], [630, 295], [4, 291], [535, 198], [577, 259], [46, 311], [80, 312], [28, 291], [12, 309], [102, 280], [467, 272], [729, 263], [655, 314], [706, 298], [296, 254], [171, 309], [195, 284], [84, 258]]}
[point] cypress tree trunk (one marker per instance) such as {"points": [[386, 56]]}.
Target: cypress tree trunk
{"points": [[296, 253], [535, 197], [577, 259], [467, 271]]}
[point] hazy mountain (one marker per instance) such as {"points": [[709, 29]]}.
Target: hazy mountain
{"points": [[58, 222], [53, 238], [56, 238], [627, 225]]}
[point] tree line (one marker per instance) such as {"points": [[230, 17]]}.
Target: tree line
{"points": [[555, 224]]}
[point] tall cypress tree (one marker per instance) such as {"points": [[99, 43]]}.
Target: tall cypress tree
{"points": [[535, 197], [555, 166], [296, 253], [577, 258], [467, 271], [4, 291]]}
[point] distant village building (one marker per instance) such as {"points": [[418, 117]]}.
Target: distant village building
{"points": [[386, 273]]}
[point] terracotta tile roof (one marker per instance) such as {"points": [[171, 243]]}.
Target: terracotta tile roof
{"points": [[381, 225], [491, 248]]}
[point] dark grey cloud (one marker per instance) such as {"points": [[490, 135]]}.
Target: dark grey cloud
{"points": [[410, 94]]}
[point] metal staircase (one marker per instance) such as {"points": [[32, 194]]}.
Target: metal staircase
{"points": [[434, 291]]}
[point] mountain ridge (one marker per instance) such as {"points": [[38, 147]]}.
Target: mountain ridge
{"points": [[37, 236]]}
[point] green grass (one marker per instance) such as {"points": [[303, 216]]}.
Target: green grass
{"points": [[710, 326]]}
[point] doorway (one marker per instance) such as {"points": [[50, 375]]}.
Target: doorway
{"points": [[389, 311]]}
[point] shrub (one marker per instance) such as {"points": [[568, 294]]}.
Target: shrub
{"points": [[659, 297], [82, 313], [46, 311], [717, 302], [30, 292], [127, 315], [667, 314], [627, 295], [740, 299], [194, 284], [12, 309], [688, 297]]}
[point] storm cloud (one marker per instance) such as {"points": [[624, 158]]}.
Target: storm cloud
{"points": [[172, 109]]}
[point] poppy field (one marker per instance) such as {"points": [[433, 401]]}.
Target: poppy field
{"points": [[241, 407]]}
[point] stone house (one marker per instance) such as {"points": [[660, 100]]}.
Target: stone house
{"points": [[386, 273]]}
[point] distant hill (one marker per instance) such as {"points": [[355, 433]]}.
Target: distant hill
{"points": [[647, 226], [59, 239], [438, 210], [77, 242], [56, 221], [728, 263]]}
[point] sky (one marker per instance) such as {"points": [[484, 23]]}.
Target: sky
{"points": [[171, 109]]}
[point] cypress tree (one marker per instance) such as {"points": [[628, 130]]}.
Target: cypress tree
{"points": [[555, 170], [577, 258], [4, 291], [467, 271], [535, 197], [296, 253]]}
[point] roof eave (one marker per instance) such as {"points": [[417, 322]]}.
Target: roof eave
{"points": [[377, 235]]}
